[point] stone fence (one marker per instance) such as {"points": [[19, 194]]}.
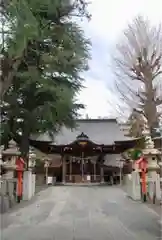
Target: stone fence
{"points": [[7, 194], [133, 182]]}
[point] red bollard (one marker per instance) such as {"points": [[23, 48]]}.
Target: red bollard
{"points": [[19, 168], [142, 164]]}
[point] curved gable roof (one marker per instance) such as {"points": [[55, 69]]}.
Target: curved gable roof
{"points": [[99, 131]]}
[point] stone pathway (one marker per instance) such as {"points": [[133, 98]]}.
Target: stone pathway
{"points": [[82, 213]]}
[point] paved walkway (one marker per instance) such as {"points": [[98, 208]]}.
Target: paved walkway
{"points": [[81, 213]]}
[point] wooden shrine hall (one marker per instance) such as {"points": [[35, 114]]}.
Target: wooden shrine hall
{"points": [[83, 153]]}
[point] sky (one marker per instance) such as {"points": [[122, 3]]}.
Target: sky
{"points": [[109, 19]]}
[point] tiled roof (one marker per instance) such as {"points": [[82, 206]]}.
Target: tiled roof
{"points": [[100, 131]]}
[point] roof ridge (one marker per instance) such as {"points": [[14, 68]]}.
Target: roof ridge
{"points": [[96, 120]]}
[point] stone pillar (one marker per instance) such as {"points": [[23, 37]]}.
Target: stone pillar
{"points": [[11, 185], [158, 188], [154, 189], [27, 185], [9, 174], [4, 198], [151, 184], [63, 170], [33, 184], [136, 186]]}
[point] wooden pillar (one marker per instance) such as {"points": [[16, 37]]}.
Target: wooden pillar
{"points": [[94, 169], [63, 169], [70, 169], [112, 178], [82, 166], [101, 174], [101, 157]]}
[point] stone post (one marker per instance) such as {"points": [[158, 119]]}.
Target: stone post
{"points": [[33, 183], [158, 188], [133, 187], [136, 187], [27, 185]]}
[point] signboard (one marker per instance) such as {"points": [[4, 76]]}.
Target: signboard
{"points": [[82, 143], [88, 178], [49, 180]]}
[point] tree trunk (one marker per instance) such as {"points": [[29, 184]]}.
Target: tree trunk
{"points": [[7, 78], [151, 108], [5, 84], [24, 146], [1, 90]]}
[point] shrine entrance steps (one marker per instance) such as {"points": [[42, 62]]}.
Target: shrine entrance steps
{"points": [[84, 184]]}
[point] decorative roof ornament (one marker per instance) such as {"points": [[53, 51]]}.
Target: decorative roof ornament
{"points": [[82, 137]]}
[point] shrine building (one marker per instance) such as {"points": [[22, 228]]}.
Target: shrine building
{"points": [[89, 152]]}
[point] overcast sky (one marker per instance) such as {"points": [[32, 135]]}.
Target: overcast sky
{"points": [[109, 18]]}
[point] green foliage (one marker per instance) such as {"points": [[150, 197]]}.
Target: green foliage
{"points": [[53, 52], [135, 153]]}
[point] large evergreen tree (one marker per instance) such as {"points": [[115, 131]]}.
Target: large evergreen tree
{"points": [[42, 94], [22, 19]]}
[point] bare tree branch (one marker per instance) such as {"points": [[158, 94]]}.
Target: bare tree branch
{"points": [[137, 66]]}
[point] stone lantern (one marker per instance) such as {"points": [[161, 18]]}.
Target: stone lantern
{"points": [[1, 163], [8, 162], [151, 154], [46, 166], [29, 178], [10, 154], [32, 159]]}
